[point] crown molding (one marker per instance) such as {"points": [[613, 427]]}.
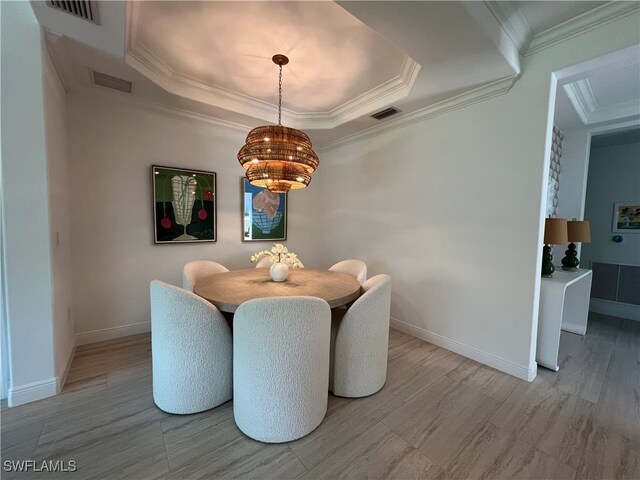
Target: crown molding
{"points": [[513, 23], [382, 96], [492, 89], [162, 110], [602, 15], [582, 98], [479, 94], [142, 59], [617, 111], [584, 102], [154, 68], [158, 72]]}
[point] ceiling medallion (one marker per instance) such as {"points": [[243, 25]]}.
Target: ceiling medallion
{"points": [[276, 157]]}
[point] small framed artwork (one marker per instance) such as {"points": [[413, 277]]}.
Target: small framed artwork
{"points": [[184, 205], [264, 214], [626, 217]]}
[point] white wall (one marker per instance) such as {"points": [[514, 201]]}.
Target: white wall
{"points": [[452, 207], [28, 257], [614, 175], [59, 215], [112, 146]]}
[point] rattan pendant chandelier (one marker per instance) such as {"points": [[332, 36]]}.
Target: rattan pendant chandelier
{"points": [[277, 157]]}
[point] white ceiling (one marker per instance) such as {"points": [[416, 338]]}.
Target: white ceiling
{"points": [[203, 42], [348, 59], [605, 92]]}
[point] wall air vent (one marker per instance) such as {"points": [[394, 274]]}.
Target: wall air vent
{"points": [[86, 9], [387, 112], [108, 81]]}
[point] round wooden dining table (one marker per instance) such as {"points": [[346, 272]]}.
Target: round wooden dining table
{"points": [[230, 289]]}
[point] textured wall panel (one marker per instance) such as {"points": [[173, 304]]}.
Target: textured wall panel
{"points": [[554, 172]]}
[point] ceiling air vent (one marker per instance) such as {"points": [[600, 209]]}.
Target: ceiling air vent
{"points": [[78, 8], [108, 81], [387, 112]]}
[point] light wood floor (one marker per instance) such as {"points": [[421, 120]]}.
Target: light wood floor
{"points": [[439, 416]]}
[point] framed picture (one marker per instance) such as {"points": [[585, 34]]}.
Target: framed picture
{"points": [[184, 205], [626, 217], [264, 214]]}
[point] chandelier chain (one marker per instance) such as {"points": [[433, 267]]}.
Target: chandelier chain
{"points": [[280, 96]]}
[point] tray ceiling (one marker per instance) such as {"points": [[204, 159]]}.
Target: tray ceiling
{"points": [[211, 61], [220, 53]]}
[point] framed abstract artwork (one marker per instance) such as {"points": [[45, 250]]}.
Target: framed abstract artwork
{"points": [[264, 214], [626, 217], [184, 205]]}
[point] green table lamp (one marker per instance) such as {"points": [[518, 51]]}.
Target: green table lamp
{"points": [[577, 231], [555, 232]]}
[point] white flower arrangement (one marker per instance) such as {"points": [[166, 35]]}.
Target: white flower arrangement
{"points": [[279, 254]]}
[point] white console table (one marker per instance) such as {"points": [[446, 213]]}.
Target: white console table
{"points": [[564, 305]]}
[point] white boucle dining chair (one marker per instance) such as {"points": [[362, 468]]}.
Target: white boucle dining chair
{"points": [[191, 351], [359, 357], [280, 367], [263, 263], [194, 271], [355, 268]]}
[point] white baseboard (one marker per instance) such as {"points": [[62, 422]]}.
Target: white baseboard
{"points": [[615, 309], [42, 389], [32, 391], [111, 333], [518, 371]]}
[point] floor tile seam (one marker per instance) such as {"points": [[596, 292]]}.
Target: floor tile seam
{"points": [[408, 442], [511, 393], [582, 455], [406, 345], [217, 456], [420, 344], [399, 358], [607, 426], [420, 391], [551, 455], [326, 457], [560, 391], [633, 349], [403, 403], [115, 341], [486, 397], [420, 452], [604, 379], [108, 355], [529, 444], [164, 442], [84, 380], [35, 446], [171, 430], [608, 373], [462, 382], [430, 385], [304, 465]]}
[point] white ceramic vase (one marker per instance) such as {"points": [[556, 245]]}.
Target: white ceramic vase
{"points": [[279, 272]]}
